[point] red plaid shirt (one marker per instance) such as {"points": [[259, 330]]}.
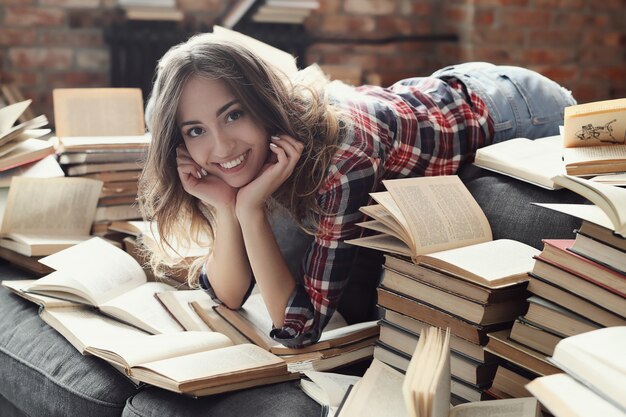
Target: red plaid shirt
{"points": [[416, 127]]}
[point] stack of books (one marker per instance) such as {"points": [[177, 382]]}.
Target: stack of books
{"points": [[107, 145], [577, 285], [448, 273]]}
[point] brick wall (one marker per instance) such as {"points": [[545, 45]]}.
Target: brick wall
{"points": [[579, 43]]}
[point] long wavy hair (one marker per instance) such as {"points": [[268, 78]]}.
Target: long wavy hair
{"points": [[299, 109]]}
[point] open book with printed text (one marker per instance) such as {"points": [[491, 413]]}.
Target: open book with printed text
{"points": [[437, 223], [45, 215], [424, 391], [99, 274]]}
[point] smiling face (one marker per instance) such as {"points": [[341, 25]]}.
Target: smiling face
{"points": [[221, 136]]}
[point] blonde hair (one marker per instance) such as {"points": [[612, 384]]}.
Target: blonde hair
{"points": [[280, 106]]}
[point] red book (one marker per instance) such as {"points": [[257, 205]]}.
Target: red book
{"points": [[556, 252]]}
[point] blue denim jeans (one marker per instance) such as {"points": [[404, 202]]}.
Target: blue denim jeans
{"points": [[521, 102]]}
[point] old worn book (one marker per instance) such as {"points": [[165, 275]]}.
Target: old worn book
{"points": [[597, 360], [439, 224], [534, 336], [101, 275], [13, 131], [535, 161], [462, 367], [472, 332], [556, 318], [459, 306], [88, 168], [178, 304], [609, 203], [61, 218], [501, 345], [119, 113], [193, 363], [452, 284], [426, 386], [556, 253], [602, 234], [18, 287], [327, 389], [416, 327], [253, 322], [101, 156], [510, 381], [24, 152], [599, 127], [47, 167], [563, 396], [608, 309], [600, 252]]}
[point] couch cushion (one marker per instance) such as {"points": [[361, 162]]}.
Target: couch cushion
{"points": [[43, 375], [507, 204], [279, 400]]}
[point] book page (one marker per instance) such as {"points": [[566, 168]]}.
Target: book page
{"points": [[140, 307], [595, 123], [394, 218], [98, 111], [105, 270], [149, 348], [493, 262], [514, 407], [440, 211], [609, 198], [178, 304], [535, 161], [9, 115], [597, 358], [85, 327], [333, 386], [379, 394], [62, 206], [562, 395], [575, 156], [589, 212], [205, 365]]}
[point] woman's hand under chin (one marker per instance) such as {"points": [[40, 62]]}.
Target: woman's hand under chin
{"points": [[285, 153], [208, 188]]}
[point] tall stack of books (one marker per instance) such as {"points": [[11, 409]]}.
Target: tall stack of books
{"points": [[449, 273], [117, 164], [101, 135], [577, 285]]}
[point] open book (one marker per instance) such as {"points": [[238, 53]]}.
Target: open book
{"points": [[19, 143], [194, 363], [597, 360], [101, 275], [425, 389], [45, 215], [594, 135], [253, 322], [608, 211], [327, 389], [437, 222], [535, 161]]}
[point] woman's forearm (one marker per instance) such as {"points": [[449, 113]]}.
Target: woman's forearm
{"points": [[228, 268], [268, 265]]}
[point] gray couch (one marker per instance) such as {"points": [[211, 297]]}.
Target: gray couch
{"points": [[41, 374]]}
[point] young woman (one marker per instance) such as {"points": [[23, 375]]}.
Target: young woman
{"points": [[233, 141]]}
